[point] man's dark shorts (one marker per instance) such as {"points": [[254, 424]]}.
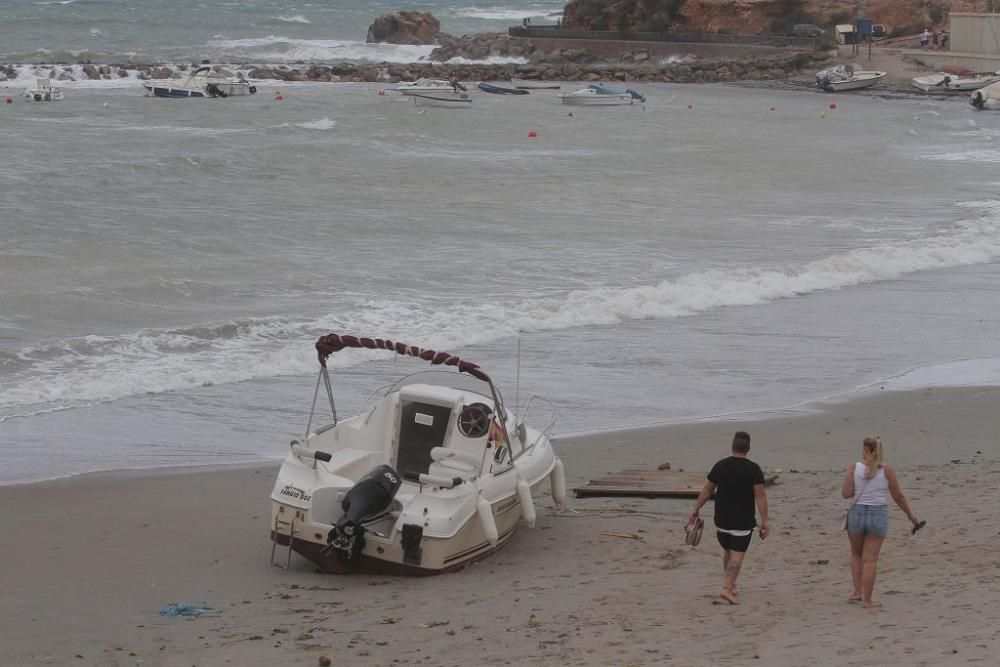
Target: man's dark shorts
{"points": [[733, 543]]}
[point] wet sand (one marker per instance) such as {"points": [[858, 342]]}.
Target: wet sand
{"points": [[89, 562]]}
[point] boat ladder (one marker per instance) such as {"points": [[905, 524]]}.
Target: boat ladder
{"points": [[283, 527]]}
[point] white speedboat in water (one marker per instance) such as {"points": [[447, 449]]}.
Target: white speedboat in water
{"points": [[444, 99], [434, 474], [845, 77], [962, 81], [43, 91], [987, 98], [428, 86], [202, 82], [600, 95]]}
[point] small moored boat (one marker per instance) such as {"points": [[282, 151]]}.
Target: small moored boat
{"points": [[500, 90], [955, 80], [435, 474], [600, 95], [987, 98], [427, 86], [845, 77], [202, 82], [43, 91], [445, 99]]}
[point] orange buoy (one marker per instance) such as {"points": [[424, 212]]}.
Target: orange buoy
{"points": [[833, 105], [823, 115], [532, 134]]}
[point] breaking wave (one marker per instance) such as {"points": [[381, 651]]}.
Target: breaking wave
{"points": [[104, 368]]}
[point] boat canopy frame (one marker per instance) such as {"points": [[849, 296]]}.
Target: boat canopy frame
{"points": [[331, 343]]}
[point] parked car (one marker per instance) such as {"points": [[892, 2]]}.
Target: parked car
{"points": [[804, 30], [879, 30]]}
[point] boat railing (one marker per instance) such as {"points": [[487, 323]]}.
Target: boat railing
{"points": [[521, 430]]}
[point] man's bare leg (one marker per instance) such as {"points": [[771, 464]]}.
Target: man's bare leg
{"points": [[726, 555], [857, 544], [732, 572], [869, 560]]}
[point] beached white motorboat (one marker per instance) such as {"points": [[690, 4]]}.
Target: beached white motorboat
{"points": [[433, 475], [600, 95], [533, 84], [958, 81], [202, 82], [846, 77], [428, 86], [987, 98], [43, 91]]}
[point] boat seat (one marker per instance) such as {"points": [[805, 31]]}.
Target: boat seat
{"points": [[453, 463]]}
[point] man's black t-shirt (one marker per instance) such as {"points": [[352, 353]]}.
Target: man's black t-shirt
{"points": [[735, 478]]}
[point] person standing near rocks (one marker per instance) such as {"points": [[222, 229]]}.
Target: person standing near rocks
{"points": [[738, 484], [925, 37]]}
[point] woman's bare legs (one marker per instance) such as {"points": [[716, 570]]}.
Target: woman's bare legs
{"points": [[869, 559], [857, 541]]}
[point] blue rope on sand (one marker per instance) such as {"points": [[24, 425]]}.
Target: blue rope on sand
{"points": [[184, 610]]}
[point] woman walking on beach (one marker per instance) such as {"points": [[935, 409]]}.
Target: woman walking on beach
{"points": [[868, 482]]}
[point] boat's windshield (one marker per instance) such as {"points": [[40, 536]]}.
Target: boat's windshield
{"points": [[451, 379]]}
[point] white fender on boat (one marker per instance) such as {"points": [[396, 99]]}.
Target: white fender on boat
{"points": [[485, 512], [527, 503], [557, 480]]}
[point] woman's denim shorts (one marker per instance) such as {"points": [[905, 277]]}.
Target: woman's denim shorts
{"points": [[868, 520]]}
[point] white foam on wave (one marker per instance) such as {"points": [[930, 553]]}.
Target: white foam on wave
{"points": [[297, 18], [321, 124], [279, 49], [971, 155], [503, 14], [104, 368], [489, 60]]}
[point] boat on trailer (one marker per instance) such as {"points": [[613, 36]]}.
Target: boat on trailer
{"points": [[436, 473]]}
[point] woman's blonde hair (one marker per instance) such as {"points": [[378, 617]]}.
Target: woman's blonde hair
{"points": [[876, 456]]}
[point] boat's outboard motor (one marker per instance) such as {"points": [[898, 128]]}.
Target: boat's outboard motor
{"points": [[370, 497]]}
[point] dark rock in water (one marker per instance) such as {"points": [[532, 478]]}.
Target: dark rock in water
{"points": [[411, 28], [122, 73], [92, 72], [160, 73], [262, 73], [222, 71]]}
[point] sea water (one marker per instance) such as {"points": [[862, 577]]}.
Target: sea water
{"points": [[166, 265]]}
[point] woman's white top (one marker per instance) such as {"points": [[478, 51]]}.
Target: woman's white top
{"points": [[874, 491]]}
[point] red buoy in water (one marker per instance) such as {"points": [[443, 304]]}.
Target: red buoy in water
{"points": [[773, 109], [833, 105], [9, 100], [690, 106], [532, 134], [570, 114]]}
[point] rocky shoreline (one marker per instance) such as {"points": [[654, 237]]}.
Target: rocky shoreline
{"points": [[643, 69]]}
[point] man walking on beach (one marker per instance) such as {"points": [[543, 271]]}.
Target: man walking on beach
{"points": [[738, 483]]}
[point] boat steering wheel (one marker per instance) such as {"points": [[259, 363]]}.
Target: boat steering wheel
{"points": [[474, 420]]}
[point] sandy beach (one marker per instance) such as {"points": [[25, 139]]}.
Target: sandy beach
{"points": [[90, 561]]}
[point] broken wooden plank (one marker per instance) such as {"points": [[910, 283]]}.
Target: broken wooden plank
{"points": [[651, 484]]}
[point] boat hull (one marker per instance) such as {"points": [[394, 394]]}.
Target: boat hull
{"points": [[176, 89], [443, 100], [859, 81], [438, 555]]}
